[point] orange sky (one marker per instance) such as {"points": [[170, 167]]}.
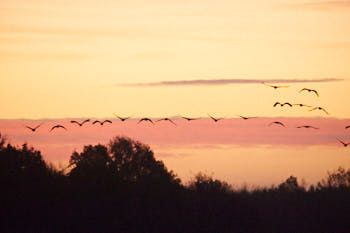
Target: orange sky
{"points": [[64, 59]]}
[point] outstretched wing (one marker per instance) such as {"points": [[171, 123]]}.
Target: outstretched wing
{"points": [[277, 103], [342, 142], [106, 121], [87, 120], [289, 104], [313, 109], [315, 92], [282, 86], [172, 121], [30, 128], [120, 118], [325, 111], [37, 126], [96, 122], [347, 127], [280, 123], [304, 89], [75, 122], [267, 85]]}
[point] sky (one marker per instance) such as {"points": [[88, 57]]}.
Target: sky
{"points": [[61, 60]]}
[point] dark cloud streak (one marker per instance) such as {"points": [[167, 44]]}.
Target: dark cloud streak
{"points": [[213, 82]]}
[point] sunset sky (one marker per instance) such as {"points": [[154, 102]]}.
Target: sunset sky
{"points": [[62, 59]]}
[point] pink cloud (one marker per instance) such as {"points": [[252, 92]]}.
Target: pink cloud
{"points": [[59, 144]]}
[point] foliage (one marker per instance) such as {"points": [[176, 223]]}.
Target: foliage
{"points": [[122, 187], [339, 178], [203, 183]]}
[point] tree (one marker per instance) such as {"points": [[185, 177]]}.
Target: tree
{"points": [[205, 184], [291, 184], [2, 141], [339, 178], [124, 160], [19, 165], [92, 165], [135, 162]]}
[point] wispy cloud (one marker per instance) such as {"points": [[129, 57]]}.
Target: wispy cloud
{"points": [[210, 82], [321, 5], [34, 56], [65, 31]]}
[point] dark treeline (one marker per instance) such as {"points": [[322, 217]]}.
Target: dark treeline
{"points": [[121, 187]]}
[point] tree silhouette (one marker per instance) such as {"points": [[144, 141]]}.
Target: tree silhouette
{"points": [[93, 165], [291, 184], [21, 165], [135, 162], [122, 187], [125, 160], [203, 183], [337, 179]]}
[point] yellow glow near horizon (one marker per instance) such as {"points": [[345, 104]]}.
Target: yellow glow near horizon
{"points": [[63, 58]]}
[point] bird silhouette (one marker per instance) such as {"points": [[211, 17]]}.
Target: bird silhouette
{"points": [[273, 86], [190, 119], [309, 90], [302, 105], [58, 126], [245, 118], [319, 108], [121, 118], [80, 124], [286, 103], [344, 144], [102, 122], [145, 119], [307, 127], [166, 119], [215, 119], [277, 123], [33, 129], [347, 127]]}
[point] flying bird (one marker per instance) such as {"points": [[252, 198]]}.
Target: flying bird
{"points": [[273, 86], [58, 126], [277, 123], [319, 108], [215, 119], [302, 105], [344, 144], [244, 118], [145, 119], [80, 124], [309, 90], [102, 122], [286, 103], [307, 127], [33, 129], [121, 118], [190, 119], [166, 119]]}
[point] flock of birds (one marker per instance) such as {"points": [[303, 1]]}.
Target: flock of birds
{"points": [[145, 119]]}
